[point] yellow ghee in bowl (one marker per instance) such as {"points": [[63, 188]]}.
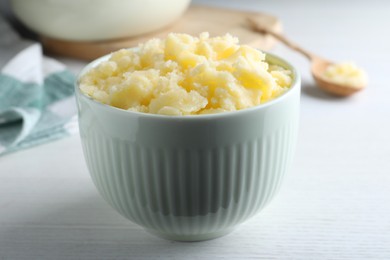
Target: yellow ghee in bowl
{"points": [[185, 75]]}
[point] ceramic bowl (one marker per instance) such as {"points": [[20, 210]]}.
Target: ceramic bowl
{"points": [[190, 178], [86, 20]]}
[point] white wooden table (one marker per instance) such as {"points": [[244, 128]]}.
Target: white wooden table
{"points": [[335, 202]]}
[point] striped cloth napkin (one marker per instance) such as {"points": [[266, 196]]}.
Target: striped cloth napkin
{"points": [[36, 94]]}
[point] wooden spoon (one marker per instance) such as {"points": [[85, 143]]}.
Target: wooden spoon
{"points": [[318, 64]]}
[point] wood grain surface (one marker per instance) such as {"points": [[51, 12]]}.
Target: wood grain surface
{"points": [[334, 203]]}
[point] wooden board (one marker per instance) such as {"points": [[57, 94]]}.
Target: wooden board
{"points": [[197, 19]]}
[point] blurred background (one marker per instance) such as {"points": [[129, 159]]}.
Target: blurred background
{"points": [[335, 201]]}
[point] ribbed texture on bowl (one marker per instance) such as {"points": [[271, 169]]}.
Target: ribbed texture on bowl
{"points": [[189, 194], [191, 177]]}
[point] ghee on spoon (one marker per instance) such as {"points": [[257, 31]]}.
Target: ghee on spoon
{"points": [[320, 67]]}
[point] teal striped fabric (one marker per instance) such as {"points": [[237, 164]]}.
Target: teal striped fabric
{"points": [[36, 94], [27, 117]]}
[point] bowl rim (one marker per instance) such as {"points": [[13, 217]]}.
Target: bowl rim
{"points": [[270, 57]]}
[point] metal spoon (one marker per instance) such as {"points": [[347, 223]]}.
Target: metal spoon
{"points": [[318, 64]]}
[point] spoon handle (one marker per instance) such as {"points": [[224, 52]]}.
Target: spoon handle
{"points": [[258, 28]]}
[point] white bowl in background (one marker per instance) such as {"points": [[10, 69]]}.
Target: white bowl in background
{"points": [[89, 20]]}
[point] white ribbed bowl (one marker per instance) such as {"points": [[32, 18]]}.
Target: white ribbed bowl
{"points": [[189, 178]]}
